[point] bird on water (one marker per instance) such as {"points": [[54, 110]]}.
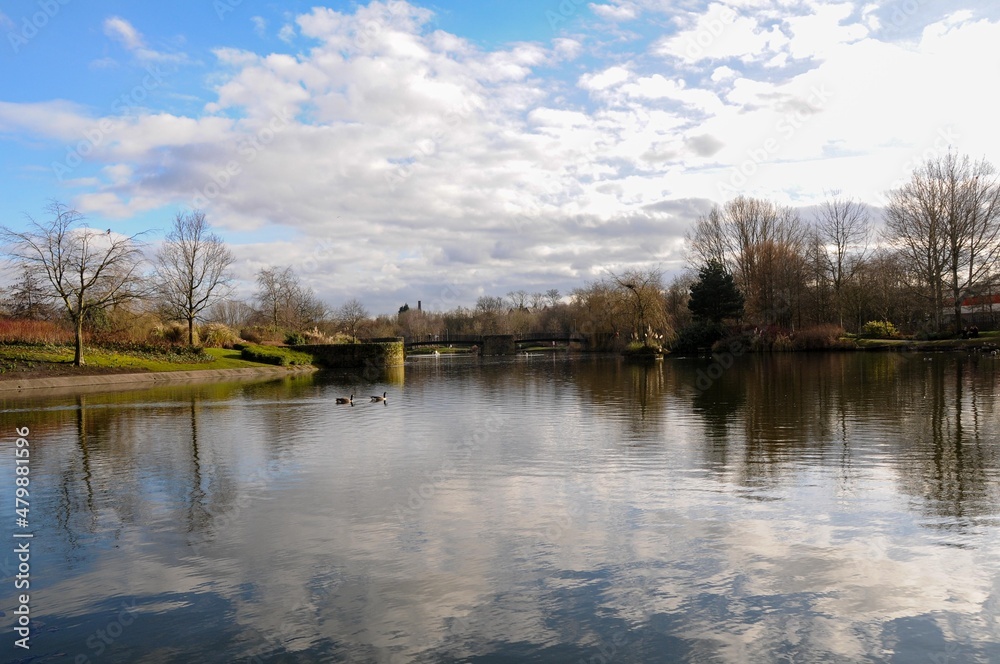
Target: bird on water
{"points": [[381, 398], [345, 400]]}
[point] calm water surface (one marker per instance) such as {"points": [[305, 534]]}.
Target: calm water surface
{"points": [[827, 508]]}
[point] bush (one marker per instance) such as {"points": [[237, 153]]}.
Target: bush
{"points": [[314, 336], [173, 332], [749, 340], [878, 329], [259, 333], [217, 335], [782, 343], [637, 349], [821, 337], [295, 339], [128, 325], [158, 349], [697, 336], [18, 331], [926, 335], [282, 357]]}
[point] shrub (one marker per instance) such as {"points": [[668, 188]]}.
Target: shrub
{"points": [[173, 332], [128, 325], [282, 357], [19, 331], [189, 354], [158, 349], [878, 329], [735, 343], [217, 335], [927, 335], [637, 349], [782, 343], [820, 337], [697, 336], [341, 338], [295, 339], [749, 340], [314, 336], [260, 333]]}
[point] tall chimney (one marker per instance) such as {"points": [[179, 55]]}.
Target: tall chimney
{"points": [[418, 305]]}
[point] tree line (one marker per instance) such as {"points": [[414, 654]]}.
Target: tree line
{"points": [[938, 247], [69, 271], [751, 262]]}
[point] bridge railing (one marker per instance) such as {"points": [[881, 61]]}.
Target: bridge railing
{"points": [[532, 336], [444, 340], [477, 339]]}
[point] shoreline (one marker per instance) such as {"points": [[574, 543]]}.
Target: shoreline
{"points": [[13, 386], [113, 381]]}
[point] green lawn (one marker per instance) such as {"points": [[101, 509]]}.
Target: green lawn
{"points": [[58, 360], [984, 339]]}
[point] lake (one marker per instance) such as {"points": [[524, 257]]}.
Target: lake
{"points": [[546, 508]]}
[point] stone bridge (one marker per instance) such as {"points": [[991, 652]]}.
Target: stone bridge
{"points": [[496, 344]]}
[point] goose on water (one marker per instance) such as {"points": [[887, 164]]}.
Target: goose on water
{"points": [[381, 398], [344, 400]]}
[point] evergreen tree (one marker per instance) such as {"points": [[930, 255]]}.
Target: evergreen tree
{"points": [[715, 295]]}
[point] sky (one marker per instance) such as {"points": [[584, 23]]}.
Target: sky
{"points": [[443, 150]]}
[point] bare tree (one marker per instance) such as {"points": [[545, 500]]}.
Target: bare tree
{"points": [[973, 223], [28, 296], [86, 269], [675, 300], [285, 302], [272, 292], [232, 313], [192, 269], [518, 299], [946, 221], [305, 308], [351, 315], [762, 245], [488, 304], [489, 315], [844, 232], [553, 296]]}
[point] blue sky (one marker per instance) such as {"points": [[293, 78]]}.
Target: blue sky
{"points": [[395, 151]]}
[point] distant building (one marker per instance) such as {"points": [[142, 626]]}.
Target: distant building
{"points": [[980, 310]]}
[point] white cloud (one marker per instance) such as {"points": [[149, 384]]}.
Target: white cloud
{"points": [[259, 25], [723, 73], [819, 34], [567, 49], [121, 30], [405, 150], [603, 80], [719, 33], [60, 120], [287, 33], [619, 11], [128, 36]]}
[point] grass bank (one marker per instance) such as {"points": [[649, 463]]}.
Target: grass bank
{"points": [[985, 341], [44, 361]]}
